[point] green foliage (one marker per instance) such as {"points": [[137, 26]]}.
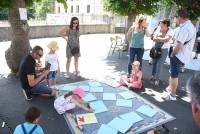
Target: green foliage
{"points": [[193, 7], [29, 3], [42, 8], [135, 7]]}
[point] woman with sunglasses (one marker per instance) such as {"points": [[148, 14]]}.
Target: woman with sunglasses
{"points": [[72, 38]]}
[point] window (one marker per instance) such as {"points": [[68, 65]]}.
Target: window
{"points": [[77, 9], [88, 8], [71, 9]]}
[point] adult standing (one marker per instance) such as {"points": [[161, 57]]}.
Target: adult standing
{"points": [[136, 48], [162, 39], [193, 86], [182, 50], [27, 73], [72, 38]]}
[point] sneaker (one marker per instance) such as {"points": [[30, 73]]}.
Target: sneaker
{"points": [[156, 83], [27, 97], [170, 97]]}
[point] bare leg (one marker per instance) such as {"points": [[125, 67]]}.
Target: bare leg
{"points": [[173, 85], [68, 65], [76, 64]]}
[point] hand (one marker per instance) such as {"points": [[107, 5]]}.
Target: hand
{"points": [[45, 73], [91, 110]]}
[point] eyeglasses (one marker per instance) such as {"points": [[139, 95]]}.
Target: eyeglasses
{"points": [[75, 22]]}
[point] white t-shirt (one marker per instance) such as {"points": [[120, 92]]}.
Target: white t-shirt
{"points": [[170, 32], [62, 104], [187, 32], [53, 60]]}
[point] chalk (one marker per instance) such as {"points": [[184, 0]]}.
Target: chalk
{"points": [[3, 124]]}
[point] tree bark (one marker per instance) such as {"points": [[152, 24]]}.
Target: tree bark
{"points": [[20, 45], [131, 19]]}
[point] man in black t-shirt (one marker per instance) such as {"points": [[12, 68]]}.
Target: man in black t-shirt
{"points": [[30, 83]]}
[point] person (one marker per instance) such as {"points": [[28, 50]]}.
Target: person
{"points": [[136, 79], [70, 100], [198, 43], [31, 126], [181, 52], [162, 39], [27, 74], [52, 59], [193, 87], [136, 47], [152, 36], [72, 42]]}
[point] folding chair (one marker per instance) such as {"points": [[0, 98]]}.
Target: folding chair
{"points": [[116, 45]]}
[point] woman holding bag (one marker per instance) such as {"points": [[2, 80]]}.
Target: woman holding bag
{"points": [[136, 48], [162, 39], [73, 46]]}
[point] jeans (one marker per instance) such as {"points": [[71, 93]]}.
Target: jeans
{"points": [[132, 53], [158, 64], [40, 89]]}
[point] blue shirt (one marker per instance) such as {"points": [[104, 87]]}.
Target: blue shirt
{"points": [[137, 40], [28, 127]]}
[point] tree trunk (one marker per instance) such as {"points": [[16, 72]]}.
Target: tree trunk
{"points": [[131, 19], [20, 45]]}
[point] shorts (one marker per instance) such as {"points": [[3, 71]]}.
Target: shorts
{"points": [[51, 75], [175, 64], [41, 89]]}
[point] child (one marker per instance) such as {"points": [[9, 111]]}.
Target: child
{"points": [[31, 126], [70, 100], [52, 59], [136, 80]]}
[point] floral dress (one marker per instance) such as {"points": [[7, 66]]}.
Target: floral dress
{"points": [[73, 41]]}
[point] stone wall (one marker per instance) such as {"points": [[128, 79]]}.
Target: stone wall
{"points": [[53, 30]]}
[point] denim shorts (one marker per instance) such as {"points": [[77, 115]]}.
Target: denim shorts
{"points": [[51, 75], [175, 64], [41, 89]]}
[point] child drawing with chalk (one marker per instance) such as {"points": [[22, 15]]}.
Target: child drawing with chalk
{"points": [[70, 100]]}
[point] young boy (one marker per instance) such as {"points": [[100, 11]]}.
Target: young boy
{"points": [[31, 126]]}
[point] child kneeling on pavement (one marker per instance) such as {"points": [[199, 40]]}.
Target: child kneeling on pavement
{"points": [[70, 100]]}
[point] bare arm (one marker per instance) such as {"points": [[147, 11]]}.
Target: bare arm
{"points": [[162, 39], [32, 81], [129, 33], [147, 33], [177, 48], [62, 33], [77, 103]]}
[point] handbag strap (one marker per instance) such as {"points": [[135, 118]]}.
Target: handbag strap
{"points": [[32, 130]]}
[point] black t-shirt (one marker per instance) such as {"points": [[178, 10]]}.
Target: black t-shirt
{"points": [[27, 68]]}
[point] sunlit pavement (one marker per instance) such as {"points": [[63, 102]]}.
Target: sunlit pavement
{"points": [[95, 64]]}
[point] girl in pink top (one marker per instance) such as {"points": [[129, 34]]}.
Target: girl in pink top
{"points": [[70, 100], [135, 81]]}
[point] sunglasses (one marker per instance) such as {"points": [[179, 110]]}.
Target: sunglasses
{"points": [[75, 22], [40, 55]]}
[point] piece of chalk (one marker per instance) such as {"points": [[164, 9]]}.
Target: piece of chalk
{"points": [[3, 124]]}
